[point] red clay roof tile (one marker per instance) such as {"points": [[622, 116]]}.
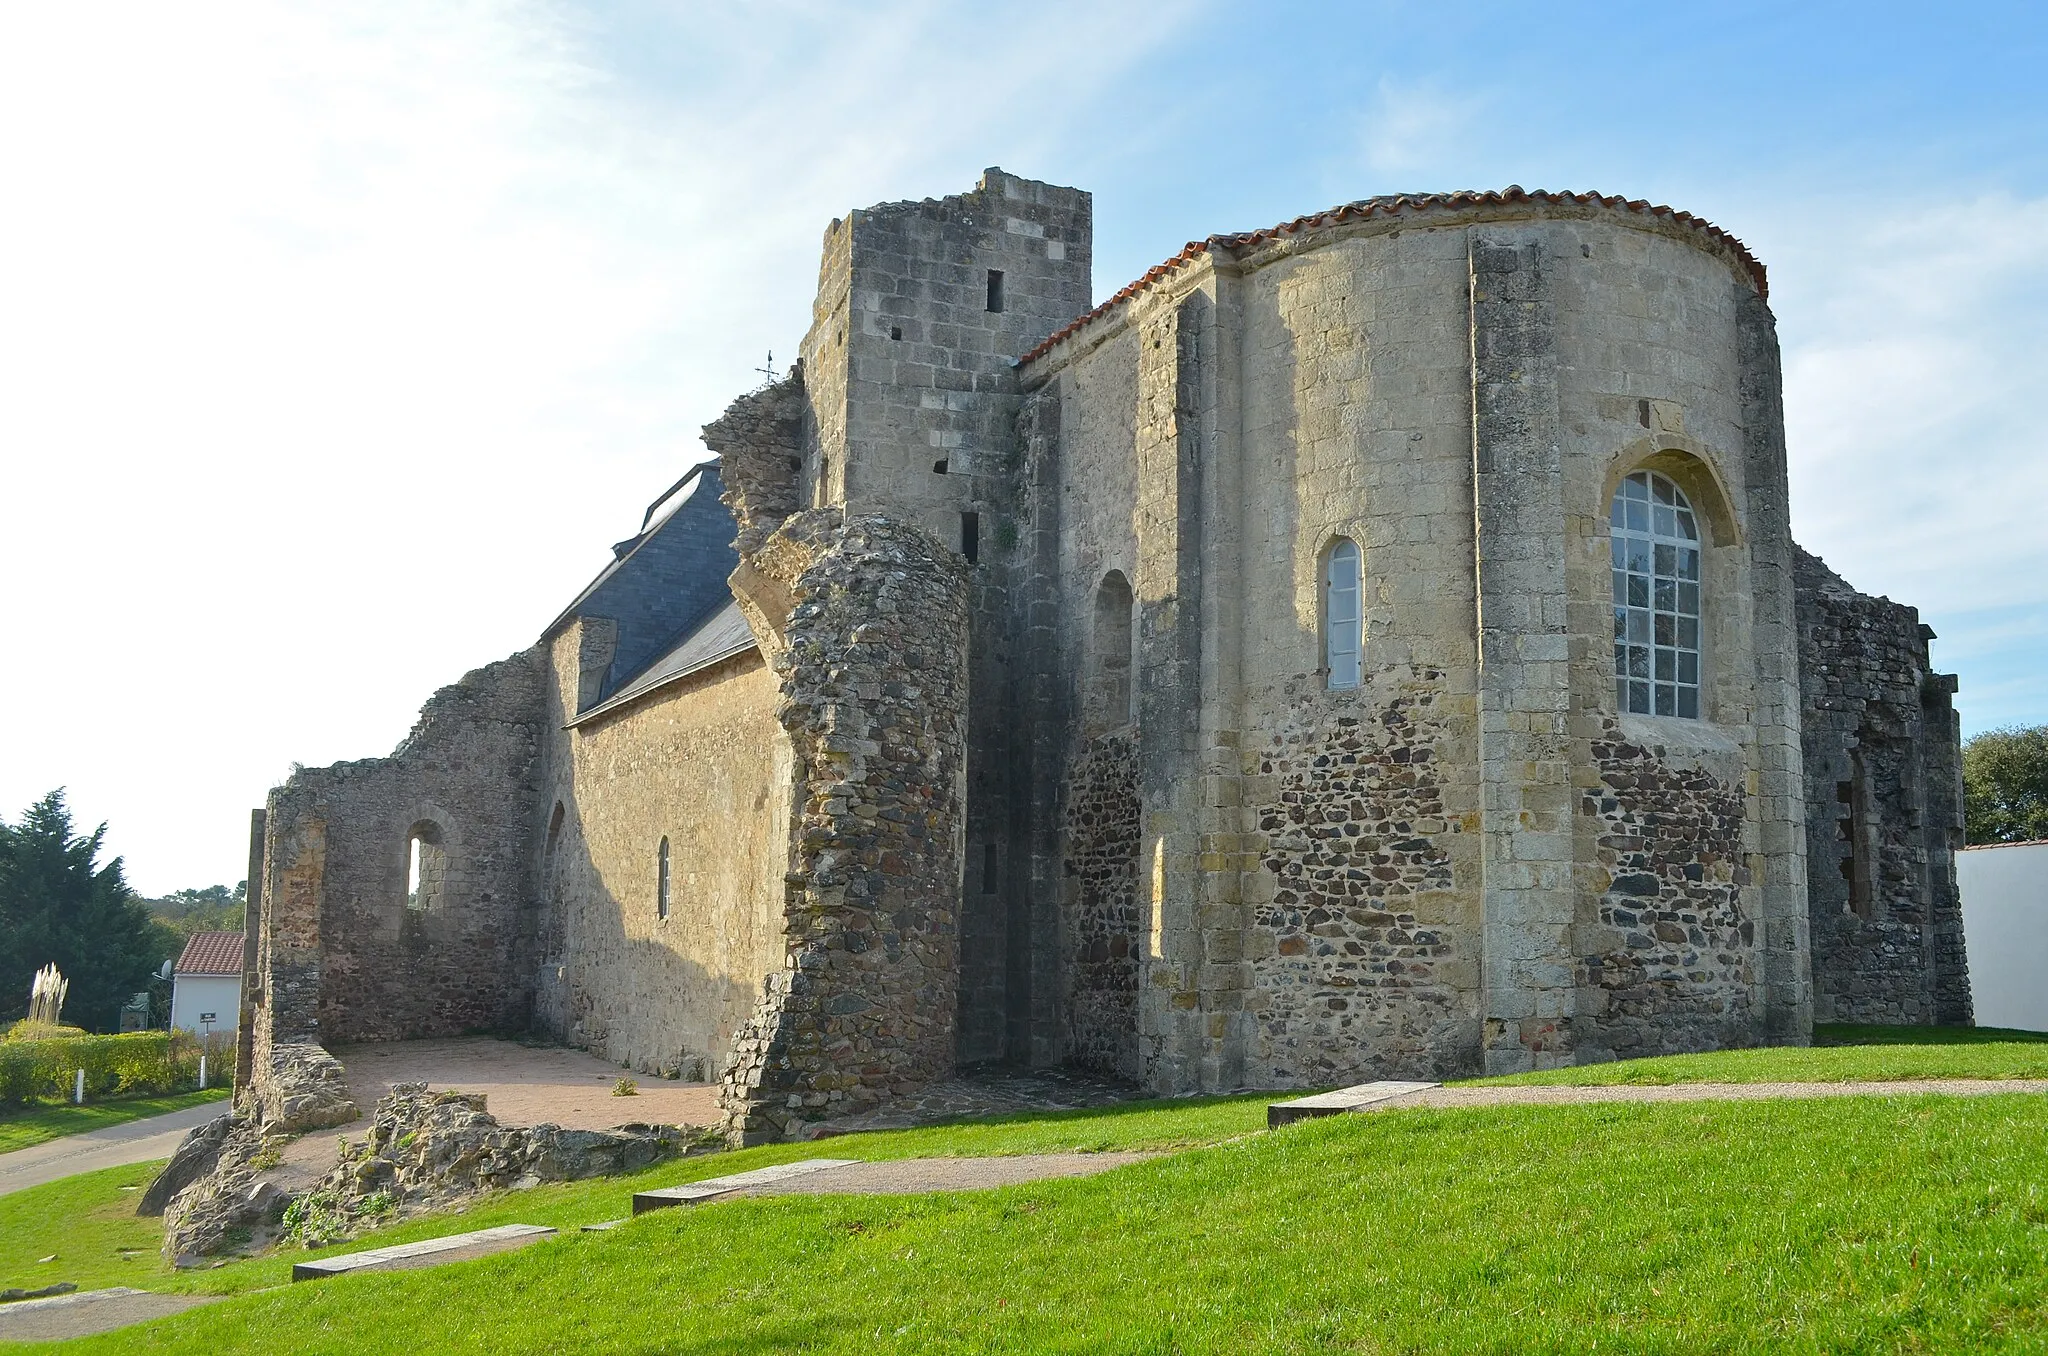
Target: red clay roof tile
{"points": [[1387, 205], [211, 953]]}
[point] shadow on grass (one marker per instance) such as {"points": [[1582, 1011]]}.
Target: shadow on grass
{"points": [[1825, 1033]]}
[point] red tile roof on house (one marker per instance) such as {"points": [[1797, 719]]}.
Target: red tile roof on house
{"points": [[211, 953], [1392, 204]]}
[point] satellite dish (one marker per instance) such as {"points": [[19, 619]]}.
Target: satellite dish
{"points": [[165, 973]]}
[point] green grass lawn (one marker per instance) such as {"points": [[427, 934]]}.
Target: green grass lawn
{"points": [[88, 1221], [34, 1125], [1882, 1223], [1839, 1054]]}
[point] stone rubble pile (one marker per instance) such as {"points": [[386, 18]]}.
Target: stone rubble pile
{"points": [[427, 1150]]}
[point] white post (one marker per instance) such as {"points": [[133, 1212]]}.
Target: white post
{"points": [[78, 1089], [202, 1073]]}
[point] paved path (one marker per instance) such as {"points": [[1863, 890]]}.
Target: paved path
{"points": [[1541, 1095], [88, 1312], [130, 1142]]}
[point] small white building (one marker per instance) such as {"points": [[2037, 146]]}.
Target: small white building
{"points": [[2005, 926], [206, 984]]}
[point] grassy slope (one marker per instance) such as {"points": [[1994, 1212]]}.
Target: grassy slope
{"points": [[1880, 1223], [88, 1221], [19, 1130], [1840, 1054]]}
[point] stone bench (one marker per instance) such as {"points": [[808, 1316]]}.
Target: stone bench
{"points": [[711, 1188], [1359, 1098], [477, 1243]]}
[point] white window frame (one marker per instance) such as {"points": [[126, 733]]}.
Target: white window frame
{"points": [[1656, 556], [1343, 615]]}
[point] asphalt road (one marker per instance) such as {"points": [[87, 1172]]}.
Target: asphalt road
{"points": [[130, 1142]]}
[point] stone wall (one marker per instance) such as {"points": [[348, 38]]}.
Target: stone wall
{"points": [[343, 954], [1669, 965], [1884, 809], [699, 764], [873, 699], [1101, 930], [1365, 963]]}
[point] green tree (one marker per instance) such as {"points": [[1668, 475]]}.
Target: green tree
{"points": [[216, 908], [2005, 785], [58, 904]]}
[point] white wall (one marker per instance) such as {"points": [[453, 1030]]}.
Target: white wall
{"points": [[2005, 926], [191, 995]]}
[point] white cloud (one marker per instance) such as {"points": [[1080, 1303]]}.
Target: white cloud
{"points": [[1416, 128], [338, 343], [1913, 339]]}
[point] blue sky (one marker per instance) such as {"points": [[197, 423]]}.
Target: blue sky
{"points": [[338, 346]]}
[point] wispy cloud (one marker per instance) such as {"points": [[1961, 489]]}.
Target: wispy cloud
{"points": [[339, 342], [1416, 128], [1914, 338]]}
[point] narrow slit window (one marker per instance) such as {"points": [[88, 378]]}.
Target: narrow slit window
{"points": [[995, 289], [426, 868], [970, 536], [661, 879], [1342, 616], [1656, 557]]}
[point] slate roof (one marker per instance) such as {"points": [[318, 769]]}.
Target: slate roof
{"points": [[664, 582], [211, 953], [719, 636], [1390, 204]]}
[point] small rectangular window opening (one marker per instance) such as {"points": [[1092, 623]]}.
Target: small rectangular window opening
{"points": [[939, 467], [995, 289], [895, 331], [970, 536], [988, 868]]}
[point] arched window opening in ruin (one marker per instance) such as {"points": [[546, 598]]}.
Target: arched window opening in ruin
{"points": [[661, 880], [1854, 843], [1343, 616], [1108, 696], [426, 869], [1656, 559]]}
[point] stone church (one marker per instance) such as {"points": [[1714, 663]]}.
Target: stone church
{"points": [[1373, 646]]}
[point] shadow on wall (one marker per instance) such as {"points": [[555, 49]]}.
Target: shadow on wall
{"points": [[636, 1001]]}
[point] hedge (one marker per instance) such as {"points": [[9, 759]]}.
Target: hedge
{"points": [[137, 1064]]}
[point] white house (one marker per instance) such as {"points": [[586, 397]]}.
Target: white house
{"points": [[2005, 926], [206, 983]]}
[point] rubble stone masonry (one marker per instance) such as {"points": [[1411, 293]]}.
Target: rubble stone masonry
{"points": [[874, 696]]}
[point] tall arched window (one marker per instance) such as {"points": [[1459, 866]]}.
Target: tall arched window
{"points": [[1108, 698], [661, 881], [426, 867], [1656, 548], [1342, 615]]}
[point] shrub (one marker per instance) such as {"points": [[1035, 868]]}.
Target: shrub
{"points": [[138, 1064]]}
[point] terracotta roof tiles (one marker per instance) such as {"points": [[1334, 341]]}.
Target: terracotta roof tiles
{"points": [[211, 953], [1388, 205]]}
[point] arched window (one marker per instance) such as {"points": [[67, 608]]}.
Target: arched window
{"points": [[1342, 615], [426, 867], [661, 881], [1656, 551], [1109, 681]]}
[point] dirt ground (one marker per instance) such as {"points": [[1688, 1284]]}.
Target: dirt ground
{"points": [[522, 1085]]}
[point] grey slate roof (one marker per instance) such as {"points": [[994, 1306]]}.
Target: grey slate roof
{"points": [[720, 636]]}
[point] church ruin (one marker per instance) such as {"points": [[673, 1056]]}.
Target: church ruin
{"points": [[1373, 646]]}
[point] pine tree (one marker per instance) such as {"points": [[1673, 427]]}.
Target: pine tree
{"points": [[57, 904]]}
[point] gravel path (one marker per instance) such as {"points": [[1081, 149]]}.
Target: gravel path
{"points": [[909, 1176], [1705, 1092]]}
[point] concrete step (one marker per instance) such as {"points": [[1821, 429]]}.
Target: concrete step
{"points": [[696, 1193], [427, 1252], [1359, 1098]]}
